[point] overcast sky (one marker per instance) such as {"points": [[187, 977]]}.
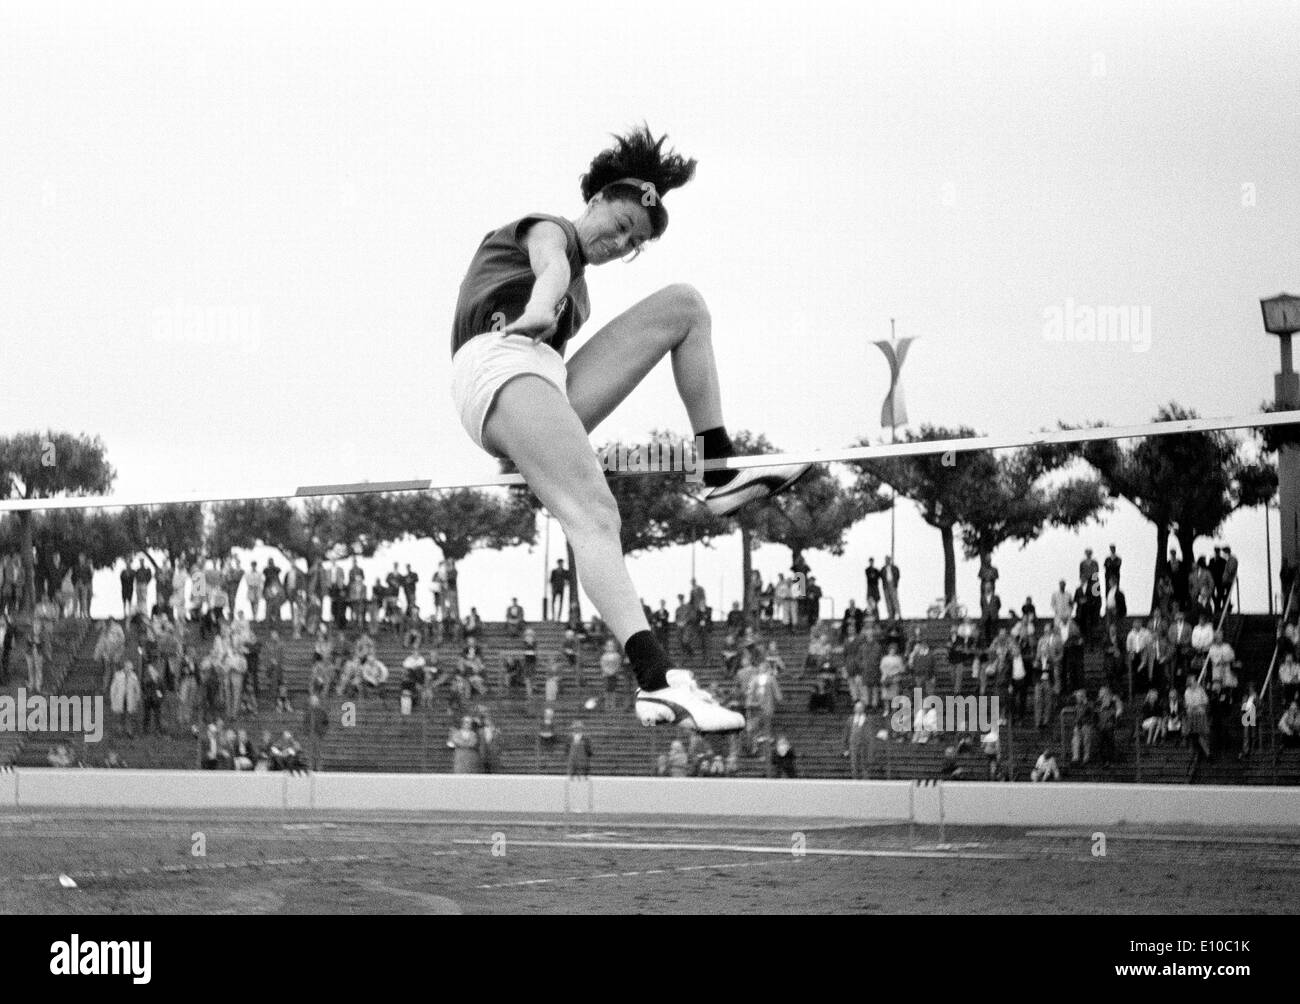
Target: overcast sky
{"points": [[316, 178]]}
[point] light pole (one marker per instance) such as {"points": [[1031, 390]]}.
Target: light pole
{"points": [[1282, 318]]}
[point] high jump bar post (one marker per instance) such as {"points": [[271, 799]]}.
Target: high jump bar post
{"points": [[847, 455]]}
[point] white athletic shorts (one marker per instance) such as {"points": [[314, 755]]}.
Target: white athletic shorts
{"points": [[486, 363]]}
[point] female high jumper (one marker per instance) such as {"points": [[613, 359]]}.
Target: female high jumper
{"points": [[522, 299]]}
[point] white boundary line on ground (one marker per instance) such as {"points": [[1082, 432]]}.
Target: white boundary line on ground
{"points": [[846, 455], [848, 852]]}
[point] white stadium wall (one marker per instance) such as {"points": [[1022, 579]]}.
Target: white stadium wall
{"points": [[964, 803]]}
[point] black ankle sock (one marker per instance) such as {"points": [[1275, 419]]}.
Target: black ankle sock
{"points": [[717, 444], [649, 661]]}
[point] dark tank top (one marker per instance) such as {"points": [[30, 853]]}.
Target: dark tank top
{"points": [[500, 279]]}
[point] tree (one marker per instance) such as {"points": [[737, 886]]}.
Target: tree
{"points": [[460, 520], [939, 485], [48, 465], [175, 529], [1187, 484]]}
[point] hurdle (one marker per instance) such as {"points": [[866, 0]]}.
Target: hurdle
{"points": [[855, 454]]}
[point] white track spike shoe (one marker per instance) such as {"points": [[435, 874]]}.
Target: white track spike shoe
{"points": [[684, 702], [752, 484]]}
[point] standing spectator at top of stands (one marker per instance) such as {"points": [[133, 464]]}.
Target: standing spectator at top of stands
{"points": [[83, 577], [253, 589], [143, 576], [1111, 567], [1088, 569], [409, 582], [1202, 588], [1062, 603], [559, 583], [514, 618], [1116, 604], [735, 617], [990, 613], [473, 625], [698, 599], [685, 625], [873, 586], [232, 574], [1217, 566], [988, 574], [1230, 565], [813, 599], [782, 599], [127, 578], [1027, 609], [889, 575], [273, 590]]}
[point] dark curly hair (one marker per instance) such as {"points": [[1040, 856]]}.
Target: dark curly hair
{"points": [[637, 154]]}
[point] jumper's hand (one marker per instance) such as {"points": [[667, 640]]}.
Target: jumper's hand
{"points": [[536, 324]]}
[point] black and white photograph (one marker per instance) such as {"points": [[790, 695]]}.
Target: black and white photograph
{"points": [[701, 460]]}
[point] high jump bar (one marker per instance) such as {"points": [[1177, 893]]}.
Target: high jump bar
{"points": [[847, 455]]}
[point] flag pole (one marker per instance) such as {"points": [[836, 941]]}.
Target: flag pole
{"points": [[893, 492]]}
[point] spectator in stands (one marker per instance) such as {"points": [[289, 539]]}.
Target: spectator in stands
{"points": [[1062, 603], [473, 625], [858, 736], [464, 742], [1249, 721], [949, 769], [889, 575], [1151, 718], [285, 753], [611, 664], [212, 748], [963, 644], [1085, 729], [891, 673], [783, 759], [730, 656], [1203, 588], [921, 663], [1180, 639], [1114, 660], [679, 764], [1203, 635], [559, 582], [579, 762], [374, 674], [1288, 676], [1223, 679], [1288, 638], [990, 614], [110, 648], [515, 618], [1109, 710], [243, 754], [573, 656], [151, 694], [124, 694], [1197, 725], [490, 745], [1046, 769], [552, 692], [853, 618], [761, 701], [546, 731], [1288, 730], [1174, 716]]}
